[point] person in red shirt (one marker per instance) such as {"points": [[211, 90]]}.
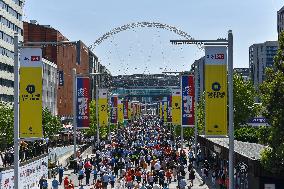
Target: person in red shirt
{"points": [[169, 176], [129, 180], [66, 183]]}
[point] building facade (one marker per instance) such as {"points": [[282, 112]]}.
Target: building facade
{"points": [[261, 57], [11, 12], [49, 86], [199, 65], [280, 20], [66, 57], [244, 72]]}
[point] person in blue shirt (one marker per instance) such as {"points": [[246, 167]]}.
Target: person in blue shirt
{"points": [[112, 179], [54, 183], [95, 173], [60, 174]]}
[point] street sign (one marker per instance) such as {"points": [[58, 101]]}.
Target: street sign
{"points": [[258, 121]]}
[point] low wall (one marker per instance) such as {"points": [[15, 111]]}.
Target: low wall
{"points": [[30, 172]]}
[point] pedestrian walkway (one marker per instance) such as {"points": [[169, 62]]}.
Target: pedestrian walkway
{"points": [[197, 184], [142, 153]]}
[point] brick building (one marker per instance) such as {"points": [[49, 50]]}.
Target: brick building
{"points": [[65, 57]]}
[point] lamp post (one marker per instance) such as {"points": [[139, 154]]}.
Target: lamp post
{"points": [[229, 43], [17, 46]]}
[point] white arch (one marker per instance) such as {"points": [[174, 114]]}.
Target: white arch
{"points": [[140, 25]]}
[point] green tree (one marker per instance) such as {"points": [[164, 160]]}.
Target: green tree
{"points": [[244, 101], [6, 125], [201, 114], [272, 96], [51, 124], [92, 131]]}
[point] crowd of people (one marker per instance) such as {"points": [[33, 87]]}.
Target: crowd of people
{"points": [[141, 155], [28, 150]]}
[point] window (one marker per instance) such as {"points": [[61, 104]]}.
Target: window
{"points": [[6, 82], [6, 67], [10, 25], [10, 10]]}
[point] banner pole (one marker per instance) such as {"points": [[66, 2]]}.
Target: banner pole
{"points": [[97, 111], [74, 112], [231, 110], [195, 109], [16, 111], [181, 104]]}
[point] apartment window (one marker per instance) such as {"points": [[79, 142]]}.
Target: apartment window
{"points": [[6, 82], [6, 67], [10, 25], [6, 52], [10, 10]]}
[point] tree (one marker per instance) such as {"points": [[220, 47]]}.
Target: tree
{"points": [[6, 125], [272, 96], [201, 114], [51, 124], [92, 131], [244, 101]]}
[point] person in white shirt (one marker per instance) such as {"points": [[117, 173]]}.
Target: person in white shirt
{"points": [[157, 166]]}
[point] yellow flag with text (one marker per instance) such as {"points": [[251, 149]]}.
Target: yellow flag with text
{"points": [[103, 107], [216, 91], [176, 107], [31, 102]]}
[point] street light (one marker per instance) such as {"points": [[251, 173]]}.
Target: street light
{"points": [[17, 46], [229, 43]]}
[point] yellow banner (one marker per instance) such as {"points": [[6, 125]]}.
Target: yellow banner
{"points": [[120, 112], [31, 102], [129, 110], [176, 110], [103, 112], [216, 99], [165, 112]]}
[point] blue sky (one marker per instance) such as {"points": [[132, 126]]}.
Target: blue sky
{"points": [[147, 50]]}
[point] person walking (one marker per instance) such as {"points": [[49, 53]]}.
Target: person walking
{"points": [[88, 175], [54, 183], [112, 179], [81, 176], [66, 183], [105, 180], [60, 174]]}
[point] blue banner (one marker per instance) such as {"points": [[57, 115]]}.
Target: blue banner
{"points": [[187, 104], [83, 102], [61, 78]]}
